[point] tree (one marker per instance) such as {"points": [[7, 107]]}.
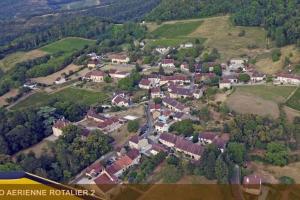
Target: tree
{"points": [[276, 54], [184, 127], [277, 154], [172, 174], [236, 152], [208, 161], [218, 70], [133, 126], [108, 79], [286, 180], [222, 171], [244, 78], [195, 138]]}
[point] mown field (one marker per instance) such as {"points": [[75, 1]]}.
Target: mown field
{"points": [[261, 100], [68, 94], [9, 61], [216, 32], [294, 101], [174, 34]]}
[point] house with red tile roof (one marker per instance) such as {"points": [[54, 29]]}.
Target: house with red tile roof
{"points": [[156, 148], [118, 74], [92, 63], [156, 93], [161, 127], [95, 76], [207, 137], [178, 79], [181, 145], [124, 163], [110, 124], [145, 84], [257, 77], [94, 170], [121, 100], [225, 83], [168, 63], [58, 126], [252, 184], [285, 78], [119, 58], [92, 114], [175, 105], [221, 141]]}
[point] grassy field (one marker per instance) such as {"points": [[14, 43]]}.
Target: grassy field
{"points": [[266, 65], [67, 45], [68, 94], [218, 32], [9, 61], [261, 100], [294, 101], [179, 29], [273, 93], [80, 4], [174, 34]]}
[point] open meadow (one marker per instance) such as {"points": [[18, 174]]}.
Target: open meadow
{"points": [[294, 101], [261, 100], [216, 32], [9, 61], [68, 94]]}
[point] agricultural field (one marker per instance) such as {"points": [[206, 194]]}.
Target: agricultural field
{"points": [[261, 100], [68, 94], [215, 32], [66, 45], [173, 34], [80, 4], [9, 61], [61, 51], [294, 101]]}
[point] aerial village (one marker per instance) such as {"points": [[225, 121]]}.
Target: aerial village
{"points": [[165, 104]]}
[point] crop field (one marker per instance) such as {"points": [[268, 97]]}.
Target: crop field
{"points": [[9, 61], [260, 100], [173, 34], [294, 101], [80, 4], [67, 45], [178, 29], [68, 94]]}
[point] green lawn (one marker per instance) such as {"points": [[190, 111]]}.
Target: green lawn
{"points": [[273, 93], [67, 45], [177, 29], [294, 101], [68, 94], [175, 34]]}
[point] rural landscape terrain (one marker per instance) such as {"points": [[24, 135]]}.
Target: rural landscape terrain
{"points": [[152, 99]]}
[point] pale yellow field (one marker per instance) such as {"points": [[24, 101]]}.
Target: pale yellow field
{"points": [[9, 61], [11, 93], [266, 65], [50, 79]]}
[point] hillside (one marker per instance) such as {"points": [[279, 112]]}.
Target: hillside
{"points": [[281, 19]]}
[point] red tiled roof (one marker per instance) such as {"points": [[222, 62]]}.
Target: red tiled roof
{"points": [[181, 91], [134, 139], [154, 106], [168, 61], [97, 167], [155, 90], [92, 113], [133, 154], [105, 182], [158, 147], [174, 78], [145, 82], [207, 135], [291, 76], [121, 163], [95, 73]]}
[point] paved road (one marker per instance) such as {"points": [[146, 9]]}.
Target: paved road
{"points": [[150, 128]]}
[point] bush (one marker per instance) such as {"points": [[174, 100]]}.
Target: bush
{"points": [[242, 33], [286, 180], [133, 126], [276, 54]]}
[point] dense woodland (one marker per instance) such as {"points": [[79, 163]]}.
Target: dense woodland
{"points": [[280, 18]]}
